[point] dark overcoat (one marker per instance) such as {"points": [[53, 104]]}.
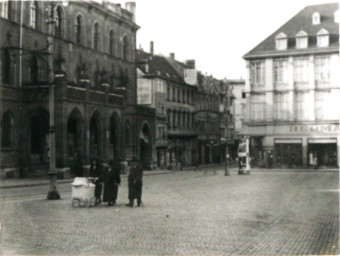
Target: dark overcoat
{"points": [[135, 181], [111, 182]]}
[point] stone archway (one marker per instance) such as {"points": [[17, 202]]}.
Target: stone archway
{"points": [[96, 136], [75, 134], [39, 144], [145, 147]]}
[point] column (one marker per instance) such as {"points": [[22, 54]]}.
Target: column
{"points": [[304, 151]]}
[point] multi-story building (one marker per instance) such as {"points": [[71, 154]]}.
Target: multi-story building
{"points": [[68, 85], [293, 89]]}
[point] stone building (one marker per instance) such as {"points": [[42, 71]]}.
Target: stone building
{"points": [[293, 91], [68, 75]]}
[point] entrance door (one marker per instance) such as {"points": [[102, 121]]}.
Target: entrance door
{"points": [[326, 153]]}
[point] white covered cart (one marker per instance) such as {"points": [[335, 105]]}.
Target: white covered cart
{"points": [[83, 192]]}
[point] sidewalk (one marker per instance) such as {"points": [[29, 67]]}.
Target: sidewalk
{"points": [[16, 183]]}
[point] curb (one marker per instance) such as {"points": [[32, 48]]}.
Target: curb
{"points": [[47, 182]]}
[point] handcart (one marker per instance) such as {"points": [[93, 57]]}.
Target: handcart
{"points": [[83, 192]]}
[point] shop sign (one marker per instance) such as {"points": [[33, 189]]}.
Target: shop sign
{"points": [[144, 92], [190, 76], [314, 128]]}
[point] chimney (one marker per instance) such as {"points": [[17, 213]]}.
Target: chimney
{"points": [[131, 7], [191, 64], [172, 56], [151, 47]]}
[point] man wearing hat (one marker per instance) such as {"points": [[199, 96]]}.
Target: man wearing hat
{"points": [[135, 183]]}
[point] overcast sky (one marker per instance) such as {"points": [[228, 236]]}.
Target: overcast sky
{"points": [[216, 33]]}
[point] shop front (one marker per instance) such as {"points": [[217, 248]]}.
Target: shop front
{"points": [[288, 153], [324, 150]]}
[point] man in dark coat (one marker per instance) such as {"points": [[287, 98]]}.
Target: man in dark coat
{"points": [[111, 182], [135, 183]]}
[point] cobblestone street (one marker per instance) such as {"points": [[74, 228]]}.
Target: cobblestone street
{"points": [[185, 213]]}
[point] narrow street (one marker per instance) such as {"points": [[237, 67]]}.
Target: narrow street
{"points": [[184, 213]]}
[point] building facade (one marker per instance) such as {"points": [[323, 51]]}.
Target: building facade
{"points": [[293, 91], [68, 73]]}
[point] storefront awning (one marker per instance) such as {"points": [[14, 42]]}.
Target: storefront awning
{"points": [[322, 140], [288, 141]]}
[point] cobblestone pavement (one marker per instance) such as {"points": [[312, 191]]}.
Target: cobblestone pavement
{"points": [[185, 213]]}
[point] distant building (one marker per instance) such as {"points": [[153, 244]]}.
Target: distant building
{"points": [[293, 91]]}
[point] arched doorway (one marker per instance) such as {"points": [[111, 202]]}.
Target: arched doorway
{"points": [[114, 137], [96, 136], [145, 144], [39, 144], [74, 138]]}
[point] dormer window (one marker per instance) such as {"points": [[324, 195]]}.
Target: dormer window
{"points": [[323, 38], [316, 18], [301, 40], [281, 41], [336, 16]]}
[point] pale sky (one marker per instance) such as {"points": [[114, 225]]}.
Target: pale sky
{"points": [[216, 33]]}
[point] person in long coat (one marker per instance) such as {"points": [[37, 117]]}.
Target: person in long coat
{"points": [[135, 183], [96, 172], [111, 183]]}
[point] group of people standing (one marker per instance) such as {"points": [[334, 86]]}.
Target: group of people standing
{"points": [[109, 176]]}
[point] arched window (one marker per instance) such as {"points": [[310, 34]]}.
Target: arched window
{"points": [[79, 29], [6, 67], [112, 42], [96, 36], [59, 19], [125, 48], [7, 130], [34, 70], [33, 14], [127, 133], [4, 9]]}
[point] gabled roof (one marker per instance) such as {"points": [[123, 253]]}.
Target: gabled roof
{"points": [[302, 21], [157, 66]]}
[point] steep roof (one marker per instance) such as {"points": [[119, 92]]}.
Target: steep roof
{"points": [[302, 21], [157, 66]]}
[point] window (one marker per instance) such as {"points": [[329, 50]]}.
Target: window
{"points": [[323, 38], [79, 29], [125, 48], [303, 103], [282, 106], [34, 70], [257, 73], [257, 107], [173, 94], [111, 42], [243, 95], [33, 14], [316, 18], [322, 68], [6, 67], [7, 130], [301, 40], [96, 36], [168, 95], [281, 41], [301, 70], [4, 9], [281, 71], [59, 19]]}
